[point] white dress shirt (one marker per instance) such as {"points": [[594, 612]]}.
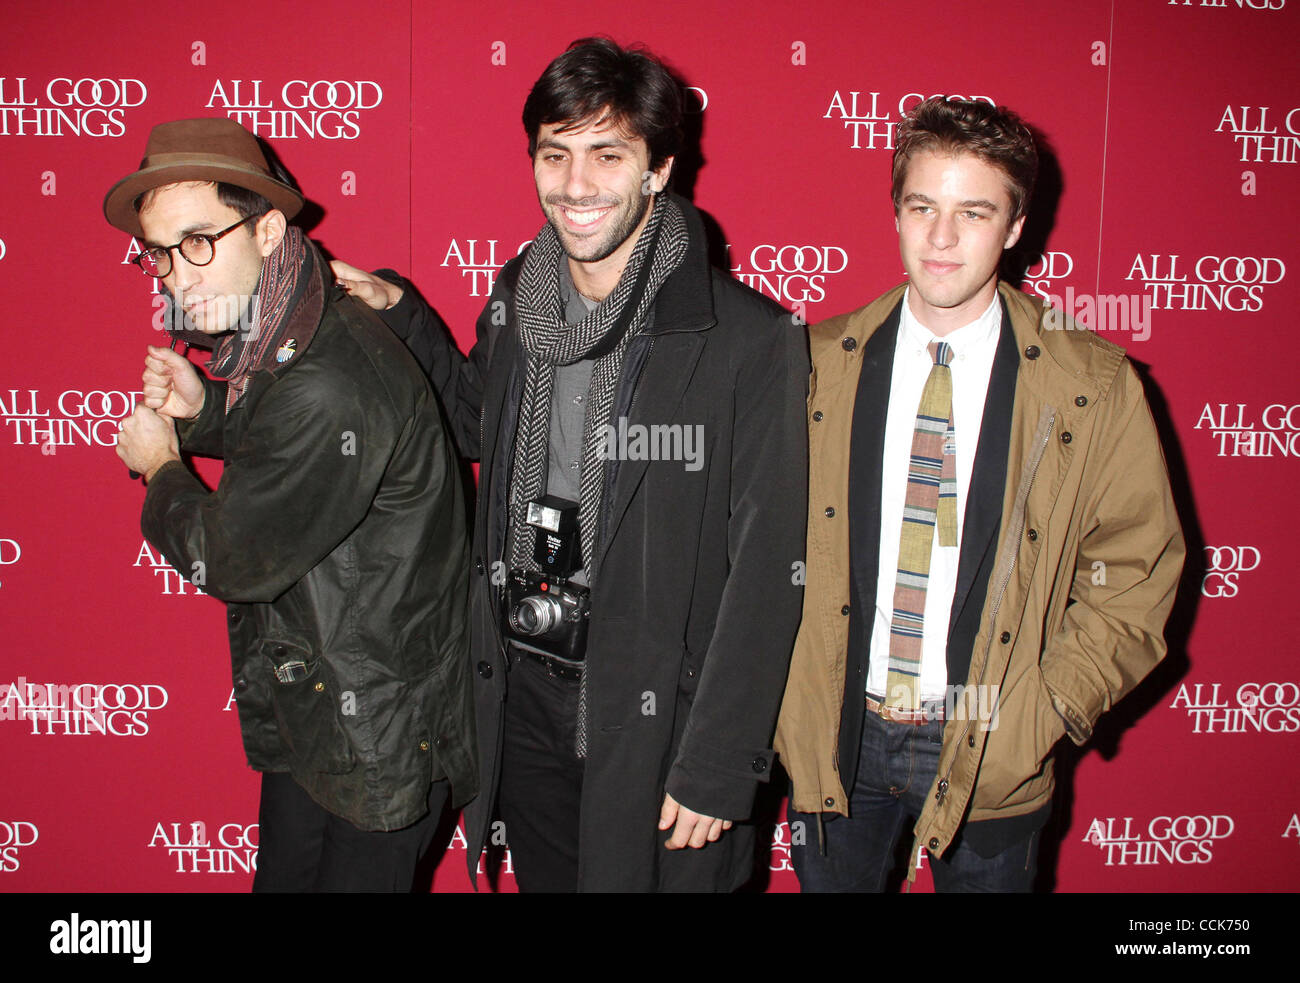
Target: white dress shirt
{"points": [[974, 346]]}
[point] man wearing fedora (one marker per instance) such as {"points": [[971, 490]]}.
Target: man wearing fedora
{"points": [[336, 535]]}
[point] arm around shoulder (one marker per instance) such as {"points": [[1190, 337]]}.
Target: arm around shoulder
{"points": [[457, 379]]}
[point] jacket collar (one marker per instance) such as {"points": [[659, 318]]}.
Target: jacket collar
{"points": [[1075, 358], [685, 301], [299, 329], [1061, 353]]}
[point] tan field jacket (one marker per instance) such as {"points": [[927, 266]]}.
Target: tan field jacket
{"points": [[1088, 559]]}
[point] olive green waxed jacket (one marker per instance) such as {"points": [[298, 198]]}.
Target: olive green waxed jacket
{"points": [[338, 539]]}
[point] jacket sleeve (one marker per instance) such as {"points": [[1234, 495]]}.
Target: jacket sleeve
{"points": [[1129, 560], [457, 379], [301, 479], [204, 434], [725, 748]]}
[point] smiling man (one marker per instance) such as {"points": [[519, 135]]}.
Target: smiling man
{"points": [[622, 742], [992, 545], [597, 231], [336, 535]]}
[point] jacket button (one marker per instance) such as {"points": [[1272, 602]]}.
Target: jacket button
{"points": [[1004, 637], [424, 745], [320, 687], [970, 740], [1033, 535], [934, 843], [759, 766], [279, 650], [1032, 352], [241, 684], [690, 673], [1080, 400], [943, 785], [817, 415], [849, 344], [830, 512], [844, 610], [829, 803], [1066, 437], [478, 565], [236, 617], [485, 670]]}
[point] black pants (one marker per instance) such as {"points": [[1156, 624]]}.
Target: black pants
{"points": [[305, 848], [540, 794]]}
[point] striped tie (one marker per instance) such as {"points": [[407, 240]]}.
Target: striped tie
{"points": [[931, 496]]}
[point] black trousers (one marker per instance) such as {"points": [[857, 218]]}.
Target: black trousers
{"points": [[303, 847], [540, 795]]}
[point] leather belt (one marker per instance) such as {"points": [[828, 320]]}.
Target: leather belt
{"points": [[560, 668], [927, 713]]}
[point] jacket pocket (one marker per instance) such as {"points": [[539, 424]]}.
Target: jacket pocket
{"points": [[1050, 725], [688, 678], [307, 708]]}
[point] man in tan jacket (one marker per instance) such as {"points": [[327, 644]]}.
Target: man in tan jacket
{"points": [[992, 545]]}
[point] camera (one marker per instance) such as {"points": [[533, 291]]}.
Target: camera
{"points": [[544, 609]]}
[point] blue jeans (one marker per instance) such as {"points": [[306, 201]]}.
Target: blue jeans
{"points": [[896, 769]]}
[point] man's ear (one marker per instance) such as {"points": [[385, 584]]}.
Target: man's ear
{"points": [[1013, 232], [659, 176], [269, 231]]}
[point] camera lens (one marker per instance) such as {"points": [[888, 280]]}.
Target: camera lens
{"points": [[536, 615]]}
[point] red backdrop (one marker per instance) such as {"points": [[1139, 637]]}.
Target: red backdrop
{"points": [[1173, 135]]}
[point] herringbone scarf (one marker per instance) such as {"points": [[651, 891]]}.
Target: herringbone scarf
{"points": [[604, 334]]}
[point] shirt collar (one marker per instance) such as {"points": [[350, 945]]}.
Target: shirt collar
{"points": [[576, 306], [983, 330]]}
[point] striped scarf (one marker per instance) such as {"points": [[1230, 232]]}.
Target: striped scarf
{"points": [[289, 293]]}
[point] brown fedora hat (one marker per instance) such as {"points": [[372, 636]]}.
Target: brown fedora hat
{"points": [[212, 149]]}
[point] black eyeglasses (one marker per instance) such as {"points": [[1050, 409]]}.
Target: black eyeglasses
{"points": [[198, 248]]}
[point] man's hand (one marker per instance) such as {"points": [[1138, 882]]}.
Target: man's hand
{"points": [[147, 441], [370, 290], [172, 385], [692, 829]]}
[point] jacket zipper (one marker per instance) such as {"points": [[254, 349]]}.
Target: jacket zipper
{"points": [[1002, 588], [636, 387]]}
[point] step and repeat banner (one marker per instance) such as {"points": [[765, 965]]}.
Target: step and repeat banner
{"points": [[1165, 220]]}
